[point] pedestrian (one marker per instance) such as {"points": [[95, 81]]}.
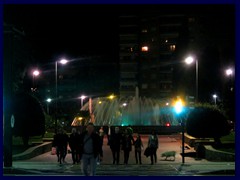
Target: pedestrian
{"points": [[61, 143], [73, 144], [138, 149], [115, 144], [91, 149], [109, 134], [127, 142], [153, 145], [101, 134]]}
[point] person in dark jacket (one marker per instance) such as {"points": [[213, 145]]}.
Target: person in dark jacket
{"points": [[115, 144], [127, 142], [73, 144], [138, 149], [91, 149], [153, 145], [61, 143]]}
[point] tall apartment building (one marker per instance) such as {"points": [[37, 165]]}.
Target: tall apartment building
{"points": [[148, 48]]}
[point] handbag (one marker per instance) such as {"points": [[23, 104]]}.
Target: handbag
{"points": [[147, 152]]}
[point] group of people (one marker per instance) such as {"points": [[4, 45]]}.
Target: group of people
{"points": [[124, 141], [86, 147]]}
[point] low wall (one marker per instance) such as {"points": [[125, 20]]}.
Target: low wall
{"points": [[212, 154], [33, 151]]}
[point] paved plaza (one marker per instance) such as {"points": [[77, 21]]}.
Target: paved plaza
{"points": [[46, 164]]}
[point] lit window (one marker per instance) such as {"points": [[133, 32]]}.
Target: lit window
{"points": [[145, 48], [131, 49], [172, 47], [144, 31]]}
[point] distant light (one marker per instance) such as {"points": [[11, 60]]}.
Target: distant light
{"points": [[49, 100], [99, 102], [145, 48], [111, 97], [166, 41], [229, 72], [124, 104], [36, 72], [80, 118], [167, 104], [168, 124], [178, 106], [83, 97], [63, 61], [189, 60], [214, 96]]}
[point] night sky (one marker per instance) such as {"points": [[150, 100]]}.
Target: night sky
{"points": [[89, 30]]}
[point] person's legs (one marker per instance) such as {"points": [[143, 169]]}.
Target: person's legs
{"points": [[127, 156], [93, 165], [155, 154], [58, 154], [74, 156], [136, 156], [118, 155], [114, 155], [139, 157], [152, 152], [84, 165]]}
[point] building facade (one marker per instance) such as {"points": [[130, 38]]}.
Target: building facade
{"points": [[148, 48]]}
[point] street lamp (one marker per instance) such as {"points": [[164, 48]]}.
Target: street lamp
{"points": [[178, 106], [190, 60], [35, 73], [215, 99], [63, 62], [82, 98], [48, 101], [229, 72]]}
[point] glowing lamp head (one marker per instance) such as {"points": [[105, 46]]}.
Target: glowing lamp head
{"points": [[189, 60]]}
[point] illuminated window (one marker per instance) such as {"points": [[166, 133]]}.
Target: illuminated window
{"points": [[144, 31], [145, 48], [131, 49], [172, 47]]}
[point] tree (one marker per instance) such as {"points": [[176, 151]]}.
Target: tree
{"points": [[205, 122], [29, 116]]}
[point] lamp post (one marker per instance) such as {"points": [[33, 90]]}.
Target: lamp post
{"points": [[82, 98], [35, 74], [190, 60], [63, 62], [215, 99], [229, 73], [178, 109], [48, 101]]}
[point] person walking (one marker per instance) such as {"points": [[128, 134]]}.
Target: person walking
{"points": [[153, 145], [101, 134], [127, 142], [73, 144], [115, 144], [61, 143], [91, 149], [138, 149]]}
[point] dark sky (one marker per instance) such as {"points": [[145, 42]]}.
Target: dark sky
{"points": [[76, 30], [88, 30]]}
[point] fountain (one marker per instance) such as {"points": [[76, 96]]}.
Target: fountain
{"points": [[134, 111]]}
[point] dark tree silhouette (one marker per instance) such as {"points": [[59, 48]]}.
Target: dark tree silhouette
{"points": [[29, 116], [207, 123]]}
